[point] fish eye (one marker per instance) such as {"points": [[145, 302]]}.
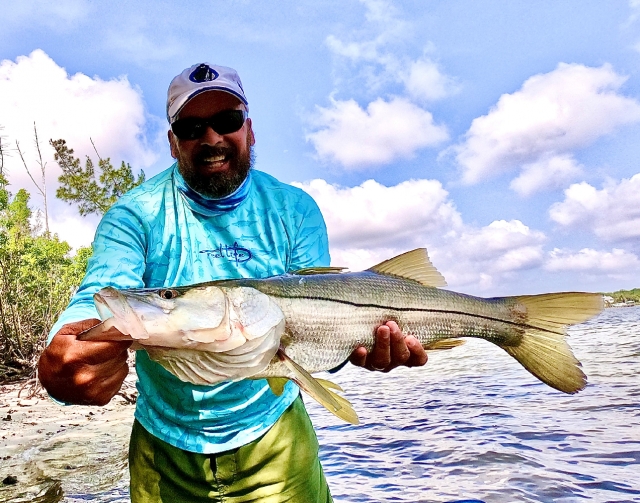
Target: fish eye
{"points": [[168, 294]]}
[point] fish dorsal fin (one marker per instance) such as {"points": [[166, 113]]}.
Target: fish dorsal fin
{"points": [[414, 265], [320, 391], [310, 271]]}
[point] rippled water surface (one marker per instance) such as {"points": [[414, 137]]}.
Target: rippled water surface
{"points": [[472, 424]]}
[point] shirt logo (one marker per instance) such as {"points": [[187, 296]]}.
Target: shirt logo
{"points": [[233, 253]]}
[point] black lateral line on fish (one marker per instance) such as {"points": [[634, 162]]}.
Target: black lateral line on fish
{"points": [[423, 310]]}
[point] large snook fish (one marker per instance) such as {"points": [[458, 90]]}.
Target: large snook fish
{"points": [[289, 326]]}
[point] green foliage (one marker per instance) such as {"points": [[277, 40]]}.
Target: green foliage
{"points": [[37, 278], [79, 185], [625, 295]]}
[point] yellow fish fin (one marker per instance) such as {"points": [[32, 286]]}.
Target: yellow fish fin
{"points": [[443, 344], [346, 413], [277, 384], [414, 265], [325, 397], [309, 271], [543, 349], [329, 384]]}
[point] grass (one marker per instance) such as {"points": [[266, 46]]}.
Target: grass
{"points": [[625, 295]]}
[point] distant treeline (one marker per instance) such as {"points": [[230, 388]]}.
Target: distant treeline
{"points": [[38, 272], [625, 295]]}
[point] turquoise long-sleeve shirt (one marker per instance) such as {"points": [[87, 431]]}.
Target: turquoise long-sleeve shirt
{"points": [[162, 234]]}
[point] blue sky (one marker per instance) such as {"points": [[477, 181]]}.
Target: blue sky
{"points": [[501, 135]]}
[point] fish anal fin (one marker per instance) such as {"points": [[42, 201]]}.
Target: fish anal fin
{"points": [[277, 384], [413, 265], [444, 344], [346, 411], [329, 384], [310, 271]]}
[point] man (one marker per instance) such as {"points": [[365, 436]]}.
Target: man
{"points": [[209, 216]]}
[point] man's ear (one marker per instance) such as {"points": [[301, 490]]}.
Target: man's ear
{"points": [[250, 135], [173, 144]]}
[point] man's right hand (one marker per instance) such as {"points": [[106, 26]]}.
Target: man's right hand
{"points": [[83, 373]]}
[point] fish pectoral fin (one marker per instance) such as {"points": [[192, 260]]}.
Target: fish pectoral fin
{"points": [[277, 384], [444, 344], [310, 271], [105, 331], [319, 392], [413, 265]]}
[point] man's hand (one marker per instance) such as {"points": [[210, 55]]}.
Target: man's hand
{"points": [[390, 350], [84, 373]]}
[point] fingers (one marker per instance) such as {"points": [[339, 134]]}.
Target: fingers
{"points": [[83, 372], [359, 356], [391, 349], [418, 355], [380, 356]]}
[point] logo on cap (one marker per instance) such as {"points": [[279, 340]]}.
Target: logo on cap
{"points": [[204, 73]]}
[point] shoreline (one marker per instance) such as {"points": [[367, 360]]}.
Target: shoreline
{"points": [[41, 440]]}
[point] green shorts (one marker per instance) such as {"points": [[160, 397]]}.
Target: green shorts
{"points": [[282, 465]]}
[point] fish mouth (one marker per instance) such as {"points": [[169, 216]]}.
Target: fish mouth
{"points": [[111, 303]]}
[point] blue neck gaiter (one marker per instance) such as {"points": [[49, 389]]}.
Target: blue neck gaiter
{"points": [[207, 206]]}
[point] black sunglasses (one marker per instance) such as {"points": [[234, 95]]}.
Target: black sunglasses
{"points": [[225, 122]]}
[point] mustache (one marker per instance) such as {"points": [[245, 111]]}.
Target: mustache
{"points": [[207, 151]]}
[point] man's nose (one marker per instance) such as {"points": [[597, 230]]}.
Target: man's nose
{"points": [[210, 137]]}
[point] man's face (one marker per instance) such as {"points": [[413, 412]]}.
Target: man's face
{"points": [[213, 165]]}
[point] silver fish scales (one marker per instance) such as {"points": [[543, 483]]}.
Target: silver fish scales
{"points": [[287, 327]]}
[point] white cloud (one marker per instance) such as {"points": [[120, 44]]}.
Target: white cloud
{"points": [[135, 41], [371, 223], [548, 173], [377, 53], [385, 131], [383, 28], [485, 256], [76, 107], [372, 216], [593, 261], [425, 82], [551, 115], [612, 213]]}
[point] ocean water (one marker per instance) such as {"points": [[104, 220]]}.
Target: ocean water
{"points": [[473, 424], [470, 425]]}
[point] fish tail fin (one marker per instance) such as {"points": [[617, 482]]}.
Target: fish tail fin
{"points": [[543, 349]]}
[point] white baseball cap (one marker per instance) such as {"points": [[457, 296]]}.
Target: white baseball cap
{"points": [[200, 78]]}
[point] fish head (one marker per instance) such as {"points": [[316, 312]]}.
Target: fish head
{"points": [[203, 317], [170, 317]]}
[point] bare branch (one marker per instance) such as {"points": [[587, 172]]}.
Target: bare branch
{"points": [[26, 167], [95, 149], [44, 179]]}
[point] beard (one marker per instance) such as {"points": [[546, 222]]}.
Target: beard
{"points": [[222, 184]]}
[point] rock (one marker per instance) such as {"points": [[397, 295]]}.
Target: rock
{"points": [[10, 480]]}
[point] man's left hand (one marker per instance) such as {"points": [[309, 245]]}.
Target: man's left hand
{"points": [[390, 350]]}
